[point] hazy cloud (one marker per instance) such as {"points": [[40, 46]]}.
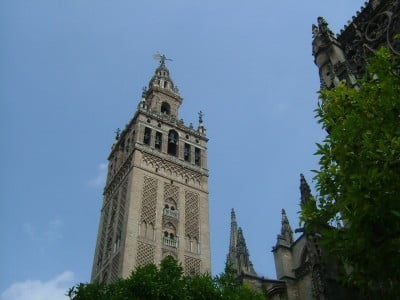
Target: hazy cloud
{"points": [[101, 176], [53, 289], [51, 233]]}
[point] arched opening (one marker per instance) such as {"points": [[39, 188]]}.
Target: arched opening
{"points": [[170, 209], [165, 108], [143, 229], [173, 142], [170, 238]]}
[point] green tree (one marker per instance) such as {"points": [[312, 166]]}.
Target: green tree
{"points": [[166, 282], [358, 182]]}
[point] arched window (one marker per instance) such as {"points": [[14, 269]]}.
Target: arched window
{"points": [[143, 229], [165, 108], [173, 142]]}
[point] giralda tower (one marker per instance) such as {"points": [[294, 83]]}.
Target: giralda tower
{"points": [[155, 200]]}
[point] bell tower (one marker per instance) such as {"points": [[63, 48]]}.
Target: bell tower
{"points": [[155, 200]]}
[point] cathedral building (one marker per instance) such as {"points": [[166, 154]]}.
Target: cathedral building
{"points": [[155, 200], [303, 272]]}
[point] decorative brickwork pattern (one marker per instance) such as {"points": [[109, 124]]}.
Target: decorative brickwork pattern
{"points": [[171, 191], [192, 214], [102, 236], [171, 167], [122, 206], [192, 265], [114, 182], [115, 266], [145, 254], [149, 200]]}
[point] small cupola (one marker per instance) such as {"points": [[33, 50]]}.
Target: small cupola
{"points": [[161, 76]]}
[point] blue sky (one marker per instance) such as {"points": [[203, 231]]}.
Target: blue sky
{"points": [[71, 72]]}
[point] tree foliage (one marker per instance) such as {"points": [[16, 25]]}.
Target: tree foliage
{"points": [[358, 182], [167, 282]]}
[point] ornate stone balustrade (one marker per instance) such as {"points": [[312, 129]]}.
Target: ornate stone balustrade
{"points": [[171, 213], [170, 242]]}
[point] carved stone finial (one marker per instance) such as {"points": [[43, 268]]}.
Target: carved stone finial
{"points": [[315, 31], [201, 115], [144, 91], [323, 27], [117, 133]]}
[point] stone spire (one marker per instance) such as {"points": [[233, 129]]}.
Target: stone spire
{"points": [[234, 229], [305, 190], [238, 255], [286, 236]]}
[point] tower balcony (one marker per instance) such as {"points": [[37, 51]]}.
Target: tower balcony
{"points": [[170, 242], [171, 213]]}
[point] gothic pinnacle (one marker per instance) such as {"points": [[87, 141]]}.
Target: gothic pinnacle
{"points": [[305, 190]]}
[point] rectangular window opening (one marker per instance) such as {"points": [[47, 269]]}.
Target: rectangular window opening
{"points": [[158, 141], [197, 156], [186, 153], [147, 136]]}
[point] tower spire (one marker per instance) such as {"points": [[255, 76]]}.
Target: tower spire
{"points": [[238, 255]]}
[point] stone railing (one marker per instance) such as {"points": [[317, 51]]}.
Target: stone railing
{"points": [[171, 213], [170, 242]]}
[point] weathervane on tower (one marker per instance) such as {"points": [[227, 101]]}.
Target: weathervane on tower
{"points": [[161, 58]]}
